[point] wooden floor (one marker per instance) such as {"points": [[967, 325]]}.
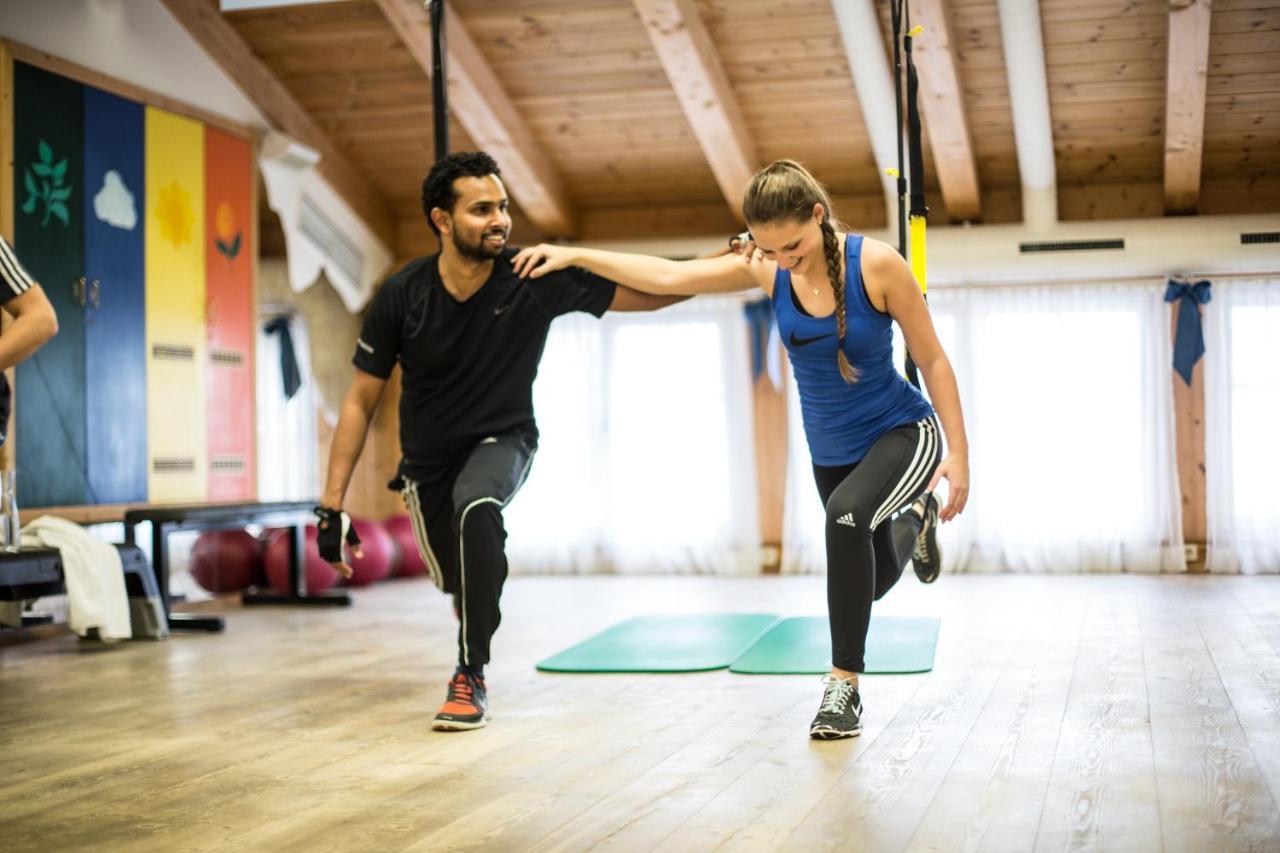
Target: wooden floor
{"points": [[1064, 713]]}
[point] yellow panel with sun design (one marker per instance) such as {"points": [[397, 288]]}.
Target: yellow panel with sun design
{"points": [[176, 338]]}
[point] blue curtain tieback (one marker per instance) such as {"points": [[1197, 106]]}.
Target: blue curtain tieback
{"points": [[1188, 339], [290, 376]]}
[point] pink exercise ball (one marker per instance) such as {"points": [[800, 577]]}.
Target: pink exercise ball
{"points": [[319, 574], [226, 560], [381, 553], [401, 530]]}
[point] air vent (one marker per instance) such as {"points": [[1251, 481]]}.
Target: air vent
{"points": [[227, 465], [173, 353], [1259, 237], [226, 358], [173, 464], [1071, 246], [320, 230]]}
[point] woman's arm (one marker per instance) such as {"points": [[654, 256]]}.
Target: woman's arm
{"points": [[649, 273], [888, 274]]}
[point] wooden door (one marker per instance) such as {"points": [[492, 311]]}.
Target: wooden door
{"points": [[229, 254], [48, 113], [115, 328]]}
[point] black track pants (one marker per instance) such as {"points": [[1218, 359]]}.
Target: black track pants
{"points": [[867, 548], [460, 533]]}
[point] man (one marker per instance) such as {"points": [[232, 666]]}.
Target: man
{"points": [[34, 322], [468, 335]]}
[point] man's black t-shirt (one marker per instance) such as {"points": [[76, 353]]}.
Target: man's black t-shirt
{"points": [[468, 366]]}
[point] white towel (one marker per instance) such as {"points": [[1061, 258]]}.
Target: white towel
{"points": [[93, 573]]}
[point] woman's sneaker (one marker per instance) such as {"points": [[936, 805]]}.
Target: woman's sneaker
{"points": [[840, 715], [466, 706], [927, 557]]}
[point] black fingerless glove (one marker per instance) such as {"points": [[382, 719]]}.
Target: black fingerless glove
{"points": [[335, 525]]}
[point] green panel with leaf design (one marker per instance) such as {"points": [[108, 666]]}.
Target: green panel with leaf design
{"points": [[48, 113]]}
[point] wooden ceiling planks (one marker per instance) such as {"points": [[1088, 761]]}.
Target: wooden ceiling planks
{"points": [[1242, 106], [584, 76], [347, 67]]}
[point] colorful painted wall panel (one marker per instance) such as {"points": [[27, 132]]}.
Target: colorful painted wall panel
{"points": [[115, 268], [49, 410], [175, 324], [229, 256]]}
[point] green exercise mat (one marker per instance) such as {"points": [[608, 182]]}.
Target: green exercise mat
{"points": [[802, 646], [687, 643]]}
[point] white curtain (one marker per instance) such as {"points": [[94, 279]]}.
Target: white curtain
{"points": [[1242, 409], [287, 445], [646, 461], [1069, 412]]}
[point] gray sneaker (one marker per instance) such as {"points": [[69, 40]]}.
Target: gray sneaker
{"points": [[927, 557], [840, 714]]}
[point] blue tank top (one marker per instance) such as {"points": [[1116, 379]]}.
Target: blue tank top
{"points": [[842, 420]]}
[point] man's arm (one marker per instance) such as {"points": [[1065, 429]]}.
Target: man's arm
{"points": [[626, 299], [348, 440], [34, 323]]}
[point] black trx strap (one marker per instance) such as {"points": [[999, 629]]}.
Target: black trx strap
{"points": [[439, 89], [919, 210]]}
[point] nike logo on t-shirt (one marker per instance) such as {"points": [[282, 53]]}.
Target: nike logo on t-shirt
{"points": [[802, 342]]}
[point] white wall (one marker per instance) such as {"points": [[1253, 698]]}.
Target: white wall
{"points": [[137, 41]]}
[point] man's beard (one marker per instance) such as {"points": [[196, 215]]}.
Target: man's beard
{"points": [[479, 251]]}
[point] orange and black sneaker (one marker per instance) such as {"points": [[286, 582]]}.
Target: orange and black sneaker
{"points": [[465, 707]]}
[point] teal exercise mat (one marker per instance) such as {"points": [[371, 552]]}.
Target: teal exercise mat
{"points": [[802, 646], [685, 643]]}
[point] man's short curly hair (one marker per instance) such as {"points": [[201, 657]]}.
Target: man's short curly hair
{"points": [[437, 189]]}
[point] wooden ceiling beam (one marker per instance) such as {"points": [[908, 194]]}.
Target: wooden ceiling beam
{"points": [[942, 103], [1186, 83], [482, 106], [202, 20], [693, 66]]}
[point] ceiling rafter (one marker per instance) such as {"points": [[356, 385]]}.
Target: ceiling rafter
{"points": [[482, 106], [689, 57]]}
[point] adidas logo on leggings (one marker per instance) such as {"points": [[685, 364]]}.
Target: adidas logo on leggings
{"points": [[847, 519]]}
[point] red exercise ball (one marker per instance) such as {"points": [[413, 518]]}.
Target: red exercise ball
{"points": [[319, 574], [381, 553], [226, 560], [401, 530]]}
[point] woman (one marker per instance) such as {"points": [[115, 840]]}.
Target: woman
{"points": [[872, 436]]}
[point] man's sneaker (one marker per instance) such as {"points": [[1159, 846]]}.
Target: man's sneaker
{"points": [[927, 557], [841, 712], [465, 707]]}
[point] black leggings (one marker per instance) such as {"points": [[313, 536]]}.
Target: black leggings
{"points": [[867, 548], [460, 532]]}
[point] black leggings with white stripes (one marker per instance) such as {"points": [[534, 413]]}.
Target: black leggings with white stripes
{"points": [[867, 547], [458, 524]]}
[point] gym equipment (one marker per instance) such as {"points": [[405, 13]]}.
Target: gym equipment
{"points": [[226, 560], [401, 530], [684, 643], [319, 575], [802, 646], [380, 553]]}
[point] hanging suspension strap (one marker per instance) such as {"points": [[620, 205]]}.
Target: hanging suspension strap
{"points": [[439, 87]]}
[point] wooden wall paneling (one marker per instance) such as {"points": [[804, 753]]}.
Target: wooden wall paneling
{"points": [[230, 312], [177, 344], [772, 442], [115, 374], [48, 406], [1189, 412]]}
